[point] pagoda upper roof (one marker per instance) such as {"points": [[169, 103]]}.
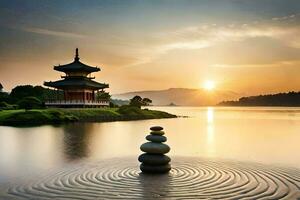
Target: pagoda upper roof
{"points": [[76, 66], [76, 83]]}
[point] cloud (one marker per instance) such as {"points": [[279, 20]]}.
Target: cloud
{"points": [[186, 45], [146, 48], [285, 17], [275, 28], [52, 32], [208, 35], [274, 64]]}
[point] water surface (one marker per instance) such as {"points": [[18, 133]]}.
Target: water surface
{"points": [[263, 135]]}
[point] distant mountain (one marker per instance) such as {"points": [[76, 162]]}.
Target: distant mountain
{"points": [[182, 96], [280, 99]]}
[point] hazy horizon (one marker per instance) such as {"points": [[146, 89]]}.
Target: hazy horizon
{"points": [[242, 46]]}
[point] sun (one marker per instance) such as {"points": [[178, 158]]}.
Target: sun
{"points": [[209, 85]]}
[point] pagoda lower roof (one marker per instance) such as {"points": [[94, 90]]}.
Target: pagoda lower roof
{"points": [[74, 83], [76, 66]]}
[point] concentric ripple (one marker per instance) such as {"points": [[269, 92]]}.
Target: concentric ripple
{"points": [[190, 178]]}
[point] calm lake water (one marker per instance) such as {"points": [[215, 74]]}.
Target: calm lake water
{"points": [[264, 135]]}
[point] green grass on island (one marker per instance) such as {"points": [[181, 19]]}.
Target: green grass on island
{"points": [[57, 115]]}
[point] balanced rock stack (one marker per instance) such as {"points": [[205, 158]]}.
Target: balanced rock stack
{"points": [[154, 160]]}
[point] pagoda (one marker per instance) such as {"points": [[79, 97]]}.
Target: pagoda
{"points": [[77, 86]]}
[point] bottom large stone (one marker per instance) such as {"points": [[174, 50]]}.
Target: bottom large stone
{"points": [[155, 169]]}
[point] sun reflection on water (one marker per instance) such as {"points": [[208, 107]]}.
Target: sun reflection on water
{"points": [[210, 131]]}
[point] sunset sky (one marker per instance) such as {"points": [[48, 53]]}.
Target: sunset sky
{"points": [[246, 46]]}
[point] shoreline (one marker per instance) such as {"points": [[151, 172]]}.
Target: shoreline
{"points": [[56, 116]]}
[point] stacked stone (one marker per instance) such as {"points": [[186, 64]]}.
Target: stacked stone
{"points": [[154, 160]]}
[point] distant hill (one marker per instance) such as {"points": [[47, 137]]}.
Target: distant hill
{"points": [[280, 99], [182, 96], [120, 102]]}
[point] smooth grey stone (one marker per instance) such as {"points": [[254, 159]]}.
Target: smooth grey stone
{"points": [[157, 133], [154, 159], [156, 148], [156, 138], [156, 169], [156, 128]]}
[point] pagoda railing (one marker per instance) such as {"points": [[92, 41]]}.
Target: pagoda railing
{"points": [[76, 102]]}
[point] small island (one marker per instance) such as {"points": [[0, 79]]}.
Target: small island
{"points": [[30, 110], [25, 106], [74, 98], [22, 117]]}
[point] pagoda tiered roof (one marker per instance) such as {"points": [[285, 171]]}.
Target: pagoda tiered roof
{"points": [[76, 66], [76, 82]]}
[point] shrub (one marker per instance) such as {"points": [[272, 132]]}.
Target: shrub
{"points": [[3, 104], [22, 91], [113, 105], [28, 103], [138, 101], [35, 117], [129, 110], [6, 106], [103, 96], [5, 97]]}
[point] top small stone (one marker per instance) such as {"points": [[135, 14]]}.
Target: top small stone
{"points": [[156, 128]]}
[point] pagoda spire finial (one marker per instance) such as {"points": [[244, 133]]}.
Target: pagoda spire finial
{"points": [[76, 55]]}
